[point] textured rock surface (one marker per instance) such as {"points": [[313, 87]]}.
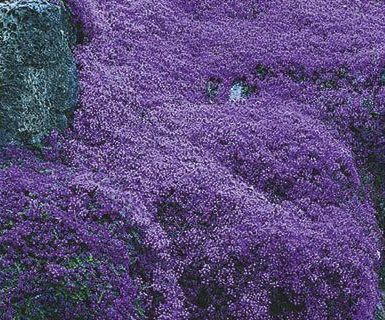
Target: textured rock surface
{"points": [[38, 73]]}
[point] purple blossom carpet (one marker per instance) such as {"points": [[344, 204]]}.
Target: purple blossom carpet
{"points": [[226, 161]]}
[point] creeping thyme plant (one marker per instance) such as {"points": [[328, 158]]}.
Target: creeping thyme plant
{"points": [[226, 161]]}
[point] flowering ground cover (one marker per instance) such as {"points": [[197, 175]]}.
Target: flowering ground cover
{"points": [[226, 161]]}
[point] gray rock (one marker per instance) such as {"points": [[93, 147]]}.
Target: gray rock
{"points": [[39, 85], [240, 90]]}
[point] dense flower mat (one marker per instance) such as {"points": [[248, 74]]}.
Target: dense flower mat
{"points": [[224, 162]]}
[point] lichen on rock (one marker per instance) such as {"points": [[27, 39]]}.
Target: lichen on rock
{"points": [[39, 83]]}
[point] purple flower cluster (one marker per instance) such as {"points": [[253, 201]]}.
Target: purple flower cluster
{"points": [[223, 163], [63, 244]]}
